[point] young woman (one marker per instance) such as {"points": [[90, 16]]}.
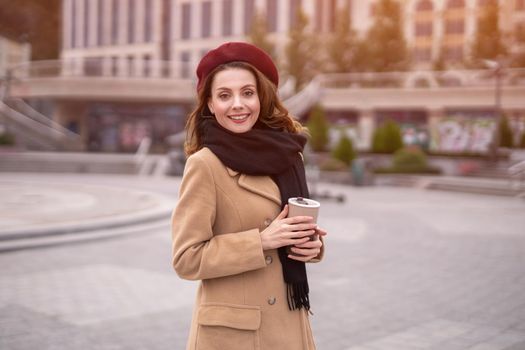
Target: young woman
{"points": [[230, 227]]}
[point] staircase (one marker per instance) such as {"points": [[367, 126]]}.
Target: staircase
{"points": [[34, 131]]}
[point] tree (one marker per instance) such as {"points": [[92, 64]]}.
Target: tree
{"points": [[505, 134], [33, 21], [488, 42], [319, 128], [344, 150], [342, 45], [259, 34], [301, 61], [384, 48]]}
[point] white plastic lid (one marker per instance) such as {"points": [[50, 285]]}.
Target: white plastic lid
{"points": [[304, 202]]}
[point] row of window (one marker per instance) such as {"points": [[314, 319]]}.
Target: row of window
{"points": [[452, 26], [450, 53], [84, 9], [249, 11], [427, 5]]}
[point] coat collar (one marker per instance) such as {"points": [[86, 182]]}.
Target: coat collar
{"points": [[261, 185]]}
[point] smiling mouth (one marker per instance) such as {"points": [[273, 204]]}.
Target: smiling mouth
{"points": [[239, 118]]}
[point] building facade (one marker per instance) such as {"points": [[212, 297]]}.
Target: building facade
{"points": [[143, 55]]}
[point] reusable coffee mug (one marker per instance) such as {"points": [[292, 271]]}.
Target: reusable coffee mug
{"points": [[299, 206]]}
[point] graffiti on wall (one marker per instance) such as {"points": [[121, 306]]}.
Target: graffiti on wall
{"points": [[463, 134]]}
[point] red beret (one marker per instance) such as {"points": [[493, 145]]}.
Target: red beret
{"points": [[237, 51]]}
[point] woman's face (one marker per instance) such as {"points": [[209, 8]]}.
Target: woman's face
{"points": [[234, 99]]}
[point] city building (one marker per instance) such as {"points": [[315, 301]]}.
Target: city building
{"points": [[127, 68]]}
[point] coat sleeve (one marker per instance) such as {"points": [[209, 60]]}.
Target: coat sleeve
{"points": [[197, 252]]}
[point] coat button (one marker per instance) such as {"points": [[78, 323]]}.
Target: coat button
{"points": [[271, 300], [269, 260], [267, 222]]}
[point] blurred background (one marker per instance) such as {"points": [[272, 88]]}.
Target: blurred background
{"points": [[369, 78], [406, 95]]}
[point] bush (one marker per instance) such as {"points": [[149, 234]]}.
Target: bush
{"points": [[7, 139], [318, 127], [332, 164], [344, 150], [387, 138], [409, 160], [409, 157]]}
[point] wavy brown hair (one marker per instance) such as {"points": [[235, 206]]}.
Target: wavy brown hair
{"points": [[272, 112]]}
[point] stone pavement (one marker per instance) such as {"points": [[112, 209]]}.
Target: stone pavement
{"points": [[404, 269]]}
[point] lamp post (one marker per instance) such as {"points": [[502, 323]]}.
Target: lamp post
{"points": [[497, 70]]}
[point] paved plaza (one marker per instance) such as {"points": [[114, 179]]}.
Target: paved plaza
{"points": [[404, 269]]}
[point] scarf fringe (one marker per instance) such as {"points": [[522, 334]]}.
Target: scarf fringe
{"points": [[298, 296]]}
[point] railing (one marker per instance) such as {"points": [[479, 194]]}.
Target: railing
{"points": [[424, 79]]}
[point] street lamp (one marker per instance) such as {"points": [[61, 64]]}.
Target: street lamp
{"points": [[496, 67]]}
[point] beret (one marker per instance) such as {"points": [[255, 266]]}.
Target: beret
{"points": [[237, 51]]}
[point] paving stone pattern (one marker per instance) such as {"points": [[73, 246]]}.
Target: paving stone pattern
{"points": [[404, 269]]}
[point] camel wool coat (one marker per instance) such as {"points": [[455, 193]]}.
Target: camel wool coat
{"points": [[241, 300]]}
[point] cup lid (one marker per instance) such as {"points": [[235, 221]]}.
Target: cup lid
{"points": [[304, 202]]}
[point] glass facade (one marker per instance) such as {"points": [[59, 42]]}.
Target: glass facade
{"points": [[271, 15], [249, 10], [186, 21], [114, 21], [206, 23], [227, 22]]}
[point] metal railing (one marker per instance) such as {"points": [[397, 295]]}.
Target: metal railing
{"points": [[423, 79]]}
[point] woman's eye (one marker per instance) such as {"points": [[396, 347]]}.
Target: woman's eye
{"points": [[223, 96], [249, 93]]}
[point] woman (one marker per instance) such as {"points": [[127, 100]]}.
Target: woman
{"points": [[230, 228]]}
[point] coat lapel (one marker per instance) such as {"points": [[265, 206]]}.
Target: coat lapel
{"points": [[261, 185]]}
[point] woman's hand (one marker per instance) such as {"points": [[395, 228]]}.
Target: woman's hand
{"points": [[308, 250], [285, 231]]}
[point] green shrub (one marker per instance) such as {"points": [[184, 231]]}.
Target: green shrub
{"points": [[387, 138], [318, 127], [7, 139], [332, 164], [344, 150], [409, 160], [409, 157]]}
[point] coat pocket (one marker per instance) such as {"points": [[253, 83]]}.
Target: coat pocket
{"points": [[228, 326]]}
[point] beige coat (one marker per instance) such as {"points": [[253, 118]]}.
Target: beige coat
{"points": [[241, 301]]}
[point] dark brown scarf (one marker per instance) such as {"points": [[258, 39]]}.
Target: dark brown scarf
{"points": [[263, 151]]}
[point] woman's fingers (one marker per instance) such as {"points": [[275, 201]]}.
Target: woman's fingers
{"points": [[302, 257], [298, 220], [283, 214], [310, 244], [321, 232]]}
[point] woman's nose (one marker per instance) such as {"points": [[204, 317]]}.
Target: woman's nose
{"points": [[237, 102]]}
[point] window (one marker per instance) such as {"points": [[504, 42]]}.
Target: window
{"points": [[206, 19], [249, 8], [147, 65], [185, 69], [114, 22], [456, 4], [86, 23], [131, 21], [424, 5], [319, 15], [186, 21], [454, 53], [148, 21], [423, 28], [295, 6], [100, 21], [73, 23], [114, 66], [227, 9], [131, 68], [422, 54], [455, 26], [271, 15]]}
